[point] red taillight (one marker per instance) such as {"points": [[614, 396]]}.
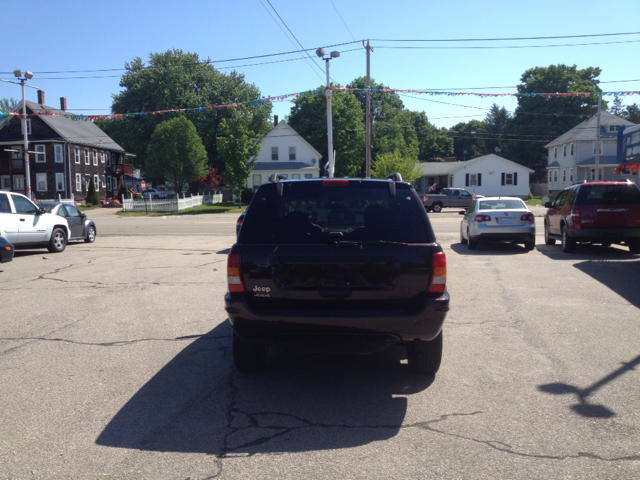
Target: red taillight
{"points": [[439, 280], [424, 199], [528, 217], [483, 218], [234, 276], [239, 222], [340, 182], [575, 214]]}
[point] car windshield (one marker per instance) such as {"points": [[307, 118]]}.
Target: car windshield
{"points": [[511, 204], [313, 212], [608, 195], [47, 208]]}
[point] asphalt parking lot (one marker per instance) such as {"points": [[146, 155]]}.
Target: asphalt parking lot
{"points": [[116, 364]]}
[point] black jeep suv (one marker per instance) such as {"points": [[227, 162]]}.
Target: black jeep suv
{"points": [[335, 261]]}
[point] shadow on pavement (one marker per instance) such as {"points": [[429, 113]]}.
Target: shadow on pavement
{"points": [[587, 252], [619, 276], [492, 248], [302, 402]]}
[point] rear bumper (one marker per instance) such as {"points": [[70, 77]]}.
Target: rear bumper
{"points": [[524, 233], [613, 235], [425, 325]]}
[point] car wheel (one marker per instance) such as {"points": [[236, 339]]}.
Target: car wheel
{"points": [[462, 239], [634, 247], [425, 357], [248, 356], [91, 235], [547, 239], [530, 245], [156, 197], [58, 241], [472, 244], [436, 207], [568, 244]]}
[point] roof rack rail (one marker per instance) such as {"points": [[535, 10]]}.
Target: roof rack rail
{"points": [[276, 177]]}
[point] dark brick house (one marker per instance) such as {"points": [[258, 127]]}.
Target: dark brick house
{"points": [[68, 153]]}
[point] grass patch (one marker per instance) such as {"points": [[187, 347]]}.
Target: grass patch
{"points": [[225, 207], [535, 201]]}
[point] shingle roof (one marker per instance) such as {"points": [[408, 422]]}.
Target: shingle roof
{"points": [[554, 164], [75, 131], [283, 166], [586, 131], [608, 160], [440, 168]]}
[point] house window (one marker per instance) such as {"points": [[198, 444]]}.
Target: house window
{"points": [[101, 156], [564, 150], [599, 174], [76, 154], [96, 182], [292, 153], [555, 175], [60, 182], [103, 181], [5, 182], [41, 156], [28, 122], [95, 156], [57, 153], [572, 149], [555, 152], [614, 128], [18, 182], [41, 182], [115, 182], [295, 176], [550, 176], [594, 148], [109, 183], [87, 160], [78, 182], [308, 175], [473, 180], [108, 159], [257, 180], [16, 155], [571, 174], [274, 153], [508, 179]]}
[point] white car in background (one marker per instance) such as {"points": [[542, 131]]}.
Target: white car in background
{"points": [[26, 225], [158, 194]]}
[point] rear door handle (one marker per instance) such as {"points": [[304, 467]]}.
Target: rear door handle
{"points": [[22, 219]]}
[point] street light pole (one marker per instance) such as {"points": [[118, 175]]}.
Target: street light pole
{"points": [[328, 93], [27, 173]]}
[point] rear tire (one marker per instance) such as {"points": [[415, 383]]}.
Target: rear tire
{"points": [[436, 207], [425, 357], [568, 244], [248, 357], [462, 239], [58, 241], [471, 243], [528, 246], [548, 240], [634, 247], [91, 235]]}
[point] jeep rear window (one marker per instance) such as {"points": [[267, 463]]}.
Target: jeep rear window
{"points": [[308, 212], [608, 195]]}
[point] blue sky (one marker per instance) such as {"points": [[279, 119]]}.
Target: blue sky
{"points": [[97, 35]]}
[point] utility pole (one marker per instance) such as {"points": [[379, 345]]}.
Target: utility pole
{"points": [[598, 138], [328, 92], [367, 153], [27, 172]]}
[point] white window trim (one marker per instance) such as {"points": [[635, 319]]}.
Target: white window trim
{"points": [[101, 156], [95, 156], [5, 182], [508, 179], [571, 150], [108, 159], [571, 174], [58, 158], [76, 154], [564, 150], [59, 182], [18, 182], [109, 183], [96, 182], [564, 174], [274, 152], [87, 159], [292, 152], [40, 176], [78, 182], [103, 181], [28, 122], [473, 179], [555, 152], [41, 152]]}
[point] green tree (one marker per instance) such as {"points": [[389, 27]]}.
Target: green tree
{"points": [[617, 108], [538, 120], [122, 191], [467, 139], [175, 153], [492, 129], [388, 163], [632, 113], [433, 143], [309, 118], [93, 198], [8, 104], [178, 80], [238, 147]]}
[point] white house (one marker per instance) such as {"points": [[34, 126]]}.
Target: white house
{"points": [[488, 175], [572, 156], [286, 153]]}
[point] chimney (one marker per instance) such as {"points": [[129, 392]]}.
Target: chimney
{"points": [[41, 97], [275, 119], [63, 104]]}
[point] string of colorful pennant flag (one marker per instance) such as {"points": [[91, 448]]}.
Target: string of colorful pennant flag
{"points": [[318, 91]]}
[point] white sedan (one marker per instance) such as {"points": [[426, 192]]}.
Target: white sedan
{"points": [[157, 194], [498, 219]]}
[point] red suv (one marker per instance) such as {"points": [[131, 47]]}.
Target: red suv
{"points": [[599, 212]]}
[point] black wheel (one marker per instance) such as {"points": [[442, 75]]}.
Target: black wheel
{"points": [[58, 241], [91, 234], [156, 197], [547, 239], [568, 244], [248, 356], [634, 247], [436, 207], [472, 244], [530, 245], [425, 357], [462, 239]]}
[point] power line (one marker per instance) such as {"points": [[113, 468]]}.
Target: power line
{"points": [[505, 38], [506, 46], [344, 23]]}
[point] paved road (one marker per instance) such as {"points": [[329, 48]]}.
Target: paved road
{"points": [[115, 363]]}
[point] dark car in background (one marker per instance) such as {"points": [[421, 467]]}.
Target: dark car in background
{"points": [[81, 227], [239, 222], [599, 212], [337, 262], [6, 250]]}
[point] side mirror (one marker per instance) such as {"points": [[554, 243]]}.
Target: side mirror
{"points": [[547, 204], [462, 212], [40, 211]]}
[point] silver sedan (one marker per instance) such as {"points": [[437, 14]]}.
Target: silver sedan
{"points": [[498, 219]]}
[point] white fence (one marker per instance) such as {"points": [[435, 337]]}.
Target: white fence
{"points": [[68, 201], [169, 204]]}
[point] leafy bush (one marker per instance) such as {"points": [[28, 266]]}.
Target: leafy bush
{"points": [[246, 195], [93, 198], [122, 191]]}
